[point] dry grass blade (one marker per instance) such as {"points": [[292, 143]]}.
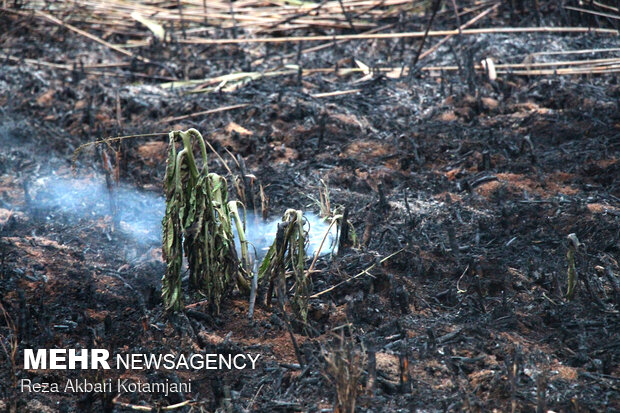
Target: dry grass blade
{"points": [[344, 365], [107, 141], [190, 17], [593, 12], [461, 28], [88, 35], [404, 35], [363, 272], [336, 93], [318, 251], [204, 112]]}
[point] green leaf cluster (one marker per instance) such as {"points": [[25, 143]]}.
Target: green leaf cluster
{"points": [[198, 224]]}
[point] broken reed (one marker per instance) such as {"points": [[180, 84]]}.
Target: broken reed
{"points": [[198, 224]]}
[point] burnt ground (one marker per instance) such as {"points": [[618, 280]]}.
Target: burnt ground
{"points": [[476, 183]]}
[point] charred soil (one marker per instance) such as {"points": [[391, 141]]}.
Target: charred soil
{"points": [[474, 183]]}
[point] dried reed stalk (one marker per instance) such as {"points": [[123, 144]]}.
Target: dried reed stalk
{"points": [[405, 35]]}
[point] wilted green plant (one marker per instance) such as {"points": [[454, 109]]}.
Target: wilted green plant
{"points": [[197, 222], [288, 251]]}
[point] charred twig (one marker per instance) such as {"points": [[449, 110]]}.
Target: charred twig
{"points": [[483, 179], [573, 246], [248, 200], [530, 146], [457, 17], [232, 16], [372, 371], [180, 8], [253, 291], [428, 28], [343, 240], [347, 16], [454, 246], [403, 364], [280, 293]]}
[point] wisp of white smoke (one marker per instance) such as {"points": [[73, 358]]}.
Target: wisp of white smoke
{"points": [[139, 213]]}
